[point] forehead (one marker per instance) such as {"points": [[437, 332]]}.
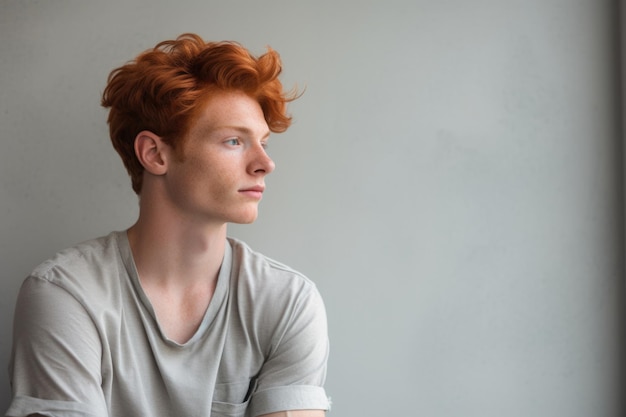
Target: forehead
{"points": [[230, 109]]}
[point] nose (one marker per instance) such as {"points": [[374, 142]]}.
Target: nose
{"points": [[261, 163]]}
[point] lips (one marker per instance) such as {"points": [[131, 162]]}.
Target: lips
{"points": [[256, 188], [255, 192]]}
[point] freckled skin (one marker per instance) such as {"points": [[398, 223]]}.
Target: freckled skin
{"points": [[222, 154]]}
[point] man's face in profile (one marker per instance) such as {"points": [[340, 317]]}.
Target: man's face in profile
{"points": [[220, 174]]}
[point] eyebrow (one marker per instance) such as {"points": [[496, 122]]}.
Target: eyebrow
{"points": [[240, 129]]}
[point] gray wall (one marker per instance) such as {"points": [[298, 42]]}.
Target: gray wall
{"points": [[452, 183]]}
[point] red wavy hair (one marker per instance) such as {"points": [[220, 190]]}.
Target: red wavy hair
{"points": [[164, 88]]}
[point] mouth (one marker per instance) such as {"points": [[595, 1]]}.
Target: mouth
{"points": [[255, 192]]}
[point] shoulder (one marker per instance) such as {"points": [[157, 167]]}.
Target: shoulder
{"points": [[269, 293], [83, 255], [261, 272], [84, 267], [280, 305]]}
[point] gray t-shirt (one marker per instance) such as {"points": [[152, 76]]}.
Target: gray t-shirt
{"points": [[87, 343]]}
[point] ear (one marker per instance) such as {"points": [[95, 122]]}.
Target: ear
{"points": [[151, 152]]}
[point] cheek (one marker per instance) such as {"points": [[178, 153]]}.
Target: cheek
{"points": [[215, 177]]}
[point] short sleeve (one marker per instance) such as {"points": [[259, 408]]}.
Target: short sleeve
{"points": [[56, 358], [293, 375]]}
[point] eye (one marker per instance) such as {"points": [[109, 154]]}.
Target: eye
{"points": [[232, 141]]}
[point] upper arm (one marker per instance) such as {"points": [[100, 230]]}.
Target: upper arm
{"points": [[300, 351], [293, 376], [56, 357]]}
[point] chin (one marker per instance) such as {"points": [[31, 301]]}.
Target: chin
{"points": [[248, 219]]}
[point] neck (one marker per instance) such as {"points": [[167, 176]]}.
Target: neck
{"points": [[173, 252]]}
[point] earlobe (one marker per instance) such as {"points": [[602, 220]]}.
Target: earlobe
{"points": [[150, 150]]}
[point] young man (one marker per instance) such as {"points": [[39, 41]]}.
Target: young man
{"points": [[171, 317]]}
